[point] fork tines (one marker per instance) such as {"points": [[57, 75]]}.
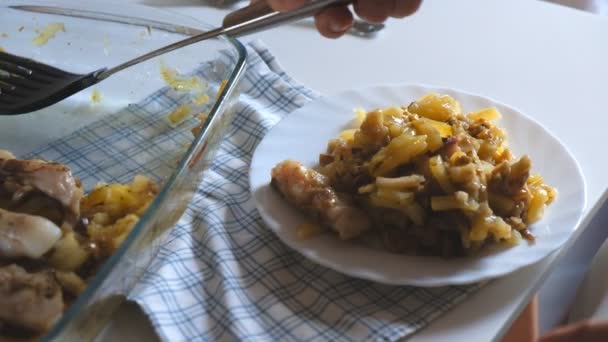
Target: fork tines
{"points": [[23, 80]]}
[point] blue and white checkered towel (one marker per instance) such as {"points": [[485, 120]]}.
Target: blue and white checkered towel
{"points": [[222, 275]]}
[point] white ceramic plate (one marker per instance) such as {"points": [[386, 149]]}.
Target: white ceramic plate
{"points": [[304, 134]]}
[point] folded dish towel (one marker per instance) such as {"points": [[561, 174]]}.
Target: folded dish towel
{"points": [[223, 275]]}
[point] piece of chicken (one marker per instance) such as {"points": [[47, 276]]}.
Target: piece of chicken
{"points": [[309, 190], [4, 154], [47, 182], [26, 236], [29, 301]]}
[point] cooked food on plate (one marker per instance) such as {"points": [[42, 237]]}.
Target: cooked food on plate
{"points": [[53, 238], [424, 179]]}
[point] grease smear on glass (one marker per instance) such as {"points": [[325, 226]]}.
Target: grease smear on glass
{"points": [[48, 33]]}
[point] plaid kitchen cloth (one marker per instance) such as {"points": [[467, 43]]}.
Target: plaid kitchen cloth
{"points": [[222, 275]]}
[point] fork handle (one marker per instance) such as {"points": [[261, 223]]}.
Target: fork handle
{"points": [[258, 9], [260, 15]]}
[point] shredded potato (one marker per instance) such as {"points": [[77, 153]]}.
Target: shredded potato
{"points": [[433, 179]]}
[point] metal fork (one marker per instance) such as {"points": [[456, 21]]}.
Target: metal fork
{"points": [[27, 85]]}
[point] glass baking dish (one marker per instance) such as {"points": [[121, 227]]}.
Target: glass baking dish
{"points": [[86, 45]]}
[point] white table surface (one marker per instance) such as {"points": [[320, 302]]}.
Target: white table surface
{"points": [[549, 61]]}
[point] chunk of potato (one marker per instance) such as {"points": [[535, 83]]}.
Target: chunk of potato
{"points": [[399, 151], [433, 137], [68, 254], [537, 205], [440, 174], [386, 198], [435, 106], [491, 114], [348, 134], [444, 129]]}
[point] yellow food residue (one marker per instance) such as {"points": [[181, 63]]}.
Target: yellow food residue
{"points": [[171, 77], [95, 96], [4, 35], [201, 99], [106, 45], [222, 86], [203, 116], [306, 231], [179, 115], [47, 33]]}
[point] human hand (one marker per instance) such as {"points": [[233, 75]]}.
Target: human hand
{"points": [[584, 331], [334, 22]]}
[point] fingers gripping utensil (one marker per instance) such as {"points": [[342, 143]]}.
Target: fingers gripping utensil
{"points": [[27, 85]]}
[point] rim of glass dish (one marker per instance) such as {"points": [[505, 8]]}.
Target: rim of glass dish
{"points": [[161, 198]]}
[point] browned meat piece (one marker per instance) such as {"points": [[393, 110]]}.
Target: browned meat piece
{"points": [[344, 166], [325, 159], [30, 301], [480, 128], [510, 179], [41, 185], [450, 146], [308, 190]]}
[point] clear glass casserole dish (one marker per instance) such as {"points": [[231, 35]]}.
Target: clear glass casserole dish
{"points": [[87, 44]]}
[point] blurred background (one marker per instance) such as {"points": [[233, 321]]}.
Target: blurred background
{"points": [[594, 6]]}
